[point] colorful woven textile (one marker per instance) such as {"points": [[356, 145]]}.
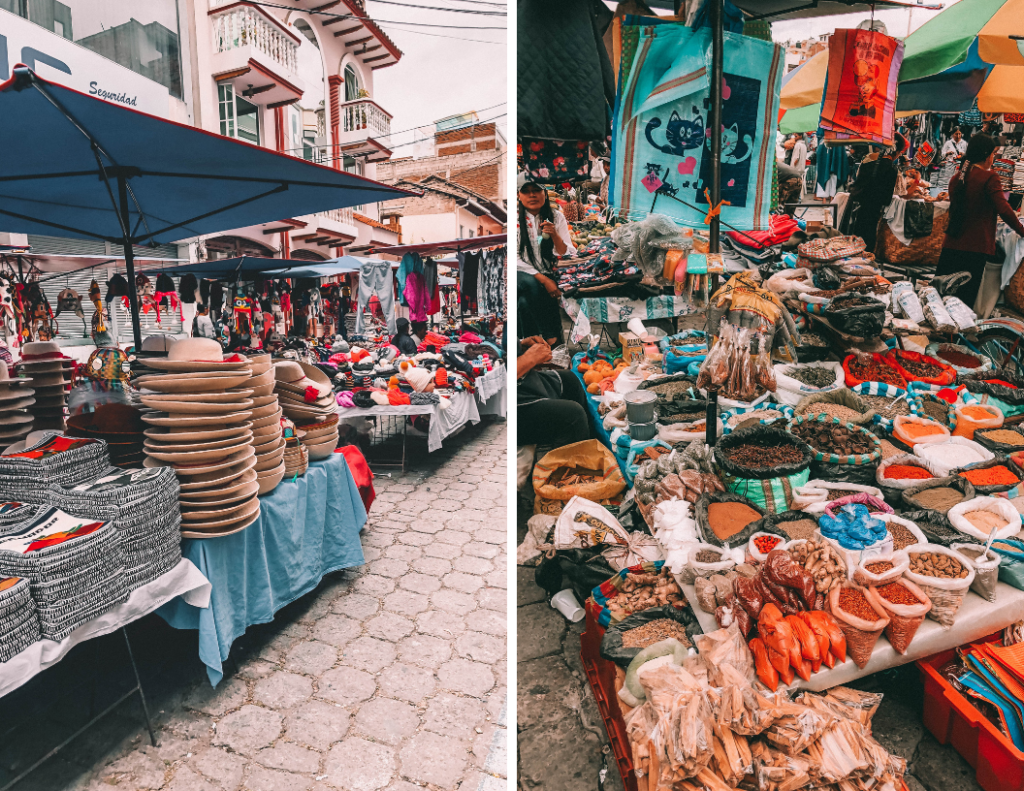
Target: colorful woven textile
{"points": [[831, 249], [661, 145], [859, 102]]}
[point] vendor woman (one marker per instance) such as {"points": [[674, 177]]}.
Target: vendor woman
{"points": [[550, 404], [543, 234], [975, 200], [872, 192]]}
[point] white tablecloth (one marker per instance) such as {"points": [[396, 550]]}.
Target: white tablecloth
{"points": [[975, 619], [183, 580], [462, 409], [492, 391]]}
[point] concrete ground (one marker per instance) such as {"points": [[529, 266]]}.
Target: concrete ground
{"points": [[390, 676], [561, 738]]}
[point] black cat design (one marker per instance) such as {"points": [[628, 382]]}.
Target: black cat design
{"points": [[680, 135]]}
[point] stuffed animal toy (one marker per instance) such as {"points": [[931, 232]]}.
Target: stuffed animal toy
{"points": [[69, 301]]}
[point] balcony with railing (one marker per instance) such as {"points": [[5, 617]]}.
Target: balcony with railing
{"points": [[365, 129], [256, 52]]}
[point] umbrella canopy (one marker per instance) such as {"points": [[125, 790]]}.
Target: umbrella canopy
{"points": [[90, 169], [345, 265], [803, 86], [438, 248], [231, 268]]}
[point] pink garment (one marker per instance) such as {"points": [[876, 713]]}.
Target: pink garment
{"points": [[469, 337], [340, 357], [345, 399], [416, 296]]}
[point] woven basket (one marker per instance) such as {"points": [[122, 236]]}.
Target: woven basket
{"points": [[1014, 291], [923, 251]]}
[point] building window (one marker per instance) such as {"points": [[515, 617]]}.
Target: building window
{"points": [[352, 89], [238, 117]]}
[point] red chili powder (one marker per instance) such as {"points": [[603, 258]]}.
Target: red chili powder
{"points": [[905, 471]]}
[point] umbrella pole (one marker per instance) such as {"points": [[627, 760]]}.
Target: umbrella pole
{"points": [[129, 262]]}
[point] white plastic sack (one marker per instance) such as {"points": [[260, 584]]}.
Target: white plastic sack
{"points": [[999, 506], [640, 547], [790, 282], [790, 391], [673, 433], [935, 311], [906, 302], [942, 459], [920, 536], [584, 523], [962, 316], [901, 460], [813, 497], [539, 531]]}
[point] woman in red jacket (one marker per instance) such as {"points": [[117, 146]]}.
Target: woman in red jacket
{"points": [[975, 200]]}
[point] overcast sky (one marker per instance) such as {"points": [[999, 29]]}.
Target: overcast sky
{"points": [[898, 22], [436, 76]]}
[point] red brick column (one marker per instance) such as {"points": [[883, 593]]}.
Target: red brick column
{"points": [[334, 85]]}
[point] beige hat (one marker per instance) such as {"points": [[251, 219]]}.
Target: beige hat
{"points": [[195, 421], [270, 479], [193, 435], [196, 354], [213, 397], [12, 387], [209, 453], [190, 447], [302, 378], [192, 468], [208, 486], [223, 527], [322, 450], [240, 492], [202, 384]]}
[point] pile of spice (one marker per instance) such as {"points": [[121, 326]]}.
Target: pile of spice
{"points": [[669, 390], [855, 603], [938, 498], [811, 339], [885, 407], [815, 376], [985, 520], [1005, 436], [760, 457], [870, 370], [766, 544], [991, 476], [938, 411], [895, 593], [948, 455], [978, 412], [879, 567], [920, 368], [917, 431], [708, 556], [960, 359], [728, 519], [901, 536], [833, 438], [889, 450], [655, 632], [656, 451], [907, 472], [844, 413], [798, 528], [572, 476]]}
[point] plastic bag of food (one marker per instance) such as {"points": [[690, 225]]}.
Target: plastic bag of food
{"points": [[781, 568], [906, 302], [986, 568], [935, 311], [944, 576], [945, 455], [962, 316], [748, 595], [725, 646], [1001, 510], [703, 566], [976, 417], [880, 569], [796, 727], [854, 704], [906, 605], [911, 429], [861, 620], [657, 623], [738, 706], [667, 651], [761, 543], [776, 771]]}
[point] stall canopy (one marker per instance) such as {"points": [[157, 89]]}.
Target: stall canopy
{"points": [[441, 248], [86, 168], [47, 264], [241, 268], [345, 265]]}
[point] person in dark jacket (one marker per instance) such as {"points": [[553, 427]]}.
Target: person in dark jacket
{"points": [[872, 192], [403, 337], [551, 404], [976, 199]]}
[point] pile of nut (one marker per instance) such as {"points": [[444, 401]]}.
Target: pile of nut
{"points": [[641, 592], [833, 438], [824, 562], [936, 564]]}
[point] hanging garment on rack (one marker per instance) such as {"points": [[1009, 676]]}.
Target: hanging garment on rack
{"points": [[430, 279], [661, 150], [411, 262], [833, 164], [859, 101], [416, 297], [375, 279], [469, 274], [490, 291]]}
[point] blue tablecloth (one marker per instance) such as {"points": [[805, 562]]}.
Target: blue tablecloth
{"points": [[306, 529]]}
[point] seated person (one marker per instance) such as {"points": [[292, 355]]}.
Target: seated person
{"points": [[551, 404], [916, 186]]}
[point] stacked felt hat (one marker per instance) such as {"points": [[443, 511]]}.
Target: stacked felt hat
{"points": [[74, 566], [307, 399], [119, 425], [46, 458], [268, 444], [142, 506], [16, 397], [19, 621], [200, 422], [50, 372]]}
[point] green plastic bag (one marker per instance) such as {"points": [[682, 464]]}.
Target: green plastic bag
{"points": [[774, 495]]}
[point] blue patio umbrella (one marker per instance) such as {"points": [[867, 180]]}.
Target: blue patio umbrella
{"points": [[90, 169]]}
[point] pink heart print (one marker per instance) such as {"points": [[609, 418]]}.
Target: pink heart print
{"points": [[726, 90], [732, 183], [687, 165]]}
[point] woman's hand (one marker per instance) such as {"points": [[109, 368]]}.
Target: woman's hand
{"points": [[549, 285], [552, 232], [534, 355]]}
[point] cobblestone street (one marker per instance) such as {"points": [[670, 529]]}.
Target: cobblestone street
{"points": [[388, 676]]}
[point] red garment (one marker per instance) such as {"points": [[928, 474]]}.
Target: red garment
{"points": [[984, 199], [398, 398], [361, 473], [780, 229], [433, 339]]}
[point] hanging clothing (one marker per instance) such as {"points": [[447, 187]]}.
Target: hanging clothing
{"points": [[416, 297], [555, 161], [375, 279], [430, 280], [833, 170], [469, 274], [411, 262], [660, 146], [490, 294]]}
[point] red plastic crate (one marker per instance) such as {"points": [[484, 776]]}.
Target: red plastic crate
{"points": [[953, 719], [601, 676]]}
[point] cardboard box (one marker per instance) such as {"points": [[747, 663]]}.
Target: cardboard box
{"points": [[632, 346]]}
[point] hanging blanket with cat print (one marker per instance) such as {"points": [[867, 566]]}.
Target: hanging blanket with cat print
{"points": [[661, 144]]}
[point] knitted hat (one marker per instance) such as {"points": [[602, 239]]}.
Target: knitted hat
{"points": [[419, 378], [441, 377]]}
